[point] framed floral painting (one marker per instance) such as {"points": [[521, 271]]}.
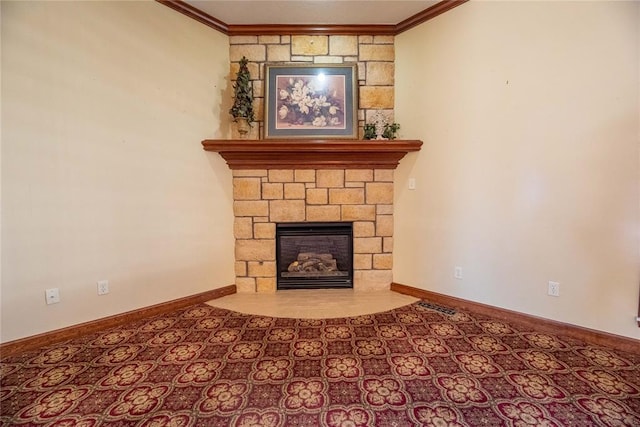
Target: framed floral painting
{"points": [[310, 101]]}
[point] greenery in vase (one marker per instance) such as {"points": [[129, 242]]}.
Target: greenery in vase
{"points": [[243, 94], [390, 131]]}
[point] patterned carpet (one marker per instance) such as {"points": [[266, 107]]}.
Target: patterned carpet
{"points": [[412, 366]]}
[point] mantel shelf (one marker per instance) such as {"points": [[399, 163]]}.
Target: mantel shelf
{"points": [[311, 153]]}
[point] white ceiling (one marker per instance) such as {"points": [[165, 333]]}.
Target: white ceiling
{"points": [[284, 12]]}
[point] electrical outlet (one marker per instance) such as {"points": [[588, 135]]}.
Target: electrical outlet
{"points": [[457, 273], [554, 289], [103, 287], [412, 183], [52, 295]]}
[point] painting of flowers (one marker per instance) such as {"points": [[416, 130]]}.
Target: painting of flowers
{"points": [[310, 101]]}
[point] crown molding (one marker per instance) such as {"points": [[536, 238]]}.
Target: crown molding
{"points": [[195, 13], [310, 29], [427, 14]]}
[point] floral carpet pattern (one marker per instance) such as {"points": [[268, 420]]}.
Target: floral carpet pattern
{"points": [[412, 366]]}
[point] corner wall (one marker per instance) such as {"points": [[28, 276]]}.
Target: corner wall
{"points": [[529, 172], [104, 105]]}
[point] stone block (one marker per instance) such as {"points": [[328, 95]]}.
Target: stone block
{"points": [[323, 213], [256, 250], [286, 210], [241, 268], [363, 175], [384, 225], [343, 45], [294, 191], [246, 188], [346, 196], [266, 284], [251, 208], [309, 45], [383, 39], [301, 58], [376, 97], [279, 53], [262, 269], [258, 111], [380, 73], [362, 262], [365, 39], [264, 230], [317, 196], [387, 113], [328, 59], [258, 90], [358, 212], [269, 39], [367, 245], [245, 285], [362, 77], [382, 261], [383, 175], [387, 244], [243, 228], [271, 191], [377, 52], [254, 71], [372, 280], [304, 175], [379, 192], [364, 229], [249, 172], [243, 40], [384, 209], [354, 184], [281, 175], [330, 178], [253, 52]]}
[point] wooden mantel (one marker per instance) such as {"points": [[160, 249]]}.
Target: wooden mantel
{"points": [[311, 153]]}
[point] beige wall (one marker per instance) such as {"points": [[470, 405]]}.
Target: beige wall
{"points": [[530, 169], [104, 105]]}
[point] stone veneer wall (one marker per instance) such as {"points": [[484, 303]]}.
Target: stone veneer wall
{"points": [[374, 56], [263, 198]]}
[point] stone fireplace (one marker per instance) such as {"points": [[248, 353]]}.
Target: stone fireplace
{"points": [[283, 182]]}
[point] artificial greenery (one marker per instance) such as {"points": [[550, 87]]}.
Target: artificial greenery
{"points": [[390, 131], [243, 94]]}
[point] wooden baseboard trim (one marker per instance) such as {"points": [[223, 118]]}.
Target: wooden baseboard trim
{"points": [[541, 324], [41, 340]]}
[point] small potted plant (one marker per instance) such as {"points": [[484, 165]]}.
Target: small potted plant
{"points": [[242, 109]]}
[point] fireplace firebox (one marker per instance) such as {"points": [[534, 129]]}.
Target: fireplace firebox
{"points": [[312, 255]]}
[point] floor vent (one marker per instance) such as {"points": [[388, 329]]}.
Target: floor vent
{"points": [[436, 307]]}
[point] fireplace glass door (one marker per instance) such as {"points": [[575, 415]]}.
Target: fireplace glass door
{"points": [[314, 255]]}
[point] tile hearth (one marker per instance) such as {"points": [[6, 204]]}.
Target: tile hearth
{"points": [[314, 303]]}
